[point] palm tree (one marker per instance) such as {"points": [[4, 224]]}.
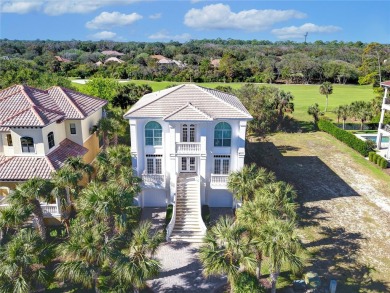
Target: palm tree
{"points": [[78, 165], [326, 88], [28, 194], [23, 262], [107, 203], [282, 246], [273, 201], [85, 254], [138, 264], [314, 110], [364, 112], [283, 103], [344, 112], [227, 250], [243, 183], [105, 127], [11, 217]]}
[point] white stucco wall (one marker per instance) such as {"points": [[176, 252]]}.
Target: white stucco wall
{"points": [[88, 123], [171, 162], [34, 133], [78, 137], [58, 130]]}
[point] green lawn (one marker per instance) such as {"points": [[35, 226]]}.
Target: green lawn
{"points": [[304, 95]]}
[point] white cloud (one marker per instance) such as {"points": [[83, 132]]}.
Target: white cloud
{"points": [[104, 35], [20, 7], [57, 7], [163, 35], [298, 32], [155, 16], [219, 16], [111, 19]]}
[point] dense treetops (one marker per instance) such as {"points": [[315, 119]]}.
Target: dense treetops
{"points": [[241, 61]]}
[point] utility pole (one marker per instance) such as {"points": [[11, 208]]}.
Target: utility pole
{"points": [[305, 35]]}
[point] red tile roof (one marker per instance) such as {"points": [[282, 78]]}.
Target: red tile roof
{"points": [[21, 105], [67, 148], [20, 168], [386, 83]]}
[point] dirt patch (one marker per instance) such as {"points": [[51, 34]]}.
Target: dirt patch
{"points": [[344, 205]]}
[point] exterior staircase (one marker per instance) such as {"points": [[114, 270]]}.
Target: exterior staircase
{"points": [[189, 226]]}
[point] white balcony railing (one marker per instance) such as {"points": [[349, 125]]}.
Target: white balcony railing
{"points": [[188, 147], [47, 209], [219, 181], [153, 180]]}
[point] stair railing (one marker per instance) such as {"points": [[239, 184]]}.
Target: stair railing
{"points": [[200, 219], [171, 224]]}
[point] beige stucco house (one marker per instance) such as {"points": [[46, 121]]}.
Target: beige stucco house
{"points": [[39, 129]]}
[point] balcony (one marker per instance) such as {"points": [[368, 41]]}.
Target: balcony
{"points": [[219, 181], [188, 148], [153, 180], [49, 210]]}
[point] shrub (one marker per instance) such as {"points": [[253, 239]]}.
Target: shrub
{"points": [[247, 283], [378, 159], [371, 156], [168, 215], [383, 163], [206, 215], [363, 147]]}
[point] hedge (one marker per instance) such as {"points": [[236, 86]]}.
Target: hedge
{"points": [[363, 147], [377, 159]]}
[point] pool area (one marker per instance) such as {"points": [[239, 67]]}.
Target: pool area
{"points": [[385, 139]]}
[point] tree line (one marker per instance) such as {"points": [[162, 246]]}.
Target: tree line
{"points": [[239, 61]]}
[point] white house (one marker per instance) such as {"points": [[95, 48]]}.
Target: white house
{"points": [[39, 129], [384, 129], [185, 141]]}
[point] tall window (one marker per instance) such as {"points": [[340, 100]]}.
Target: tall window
{"points": [[154, 164], [188, 128], [153, 133], [50, 139], [9, 140], [27, 144], [222, 135], [72, 127], [221, 164]]}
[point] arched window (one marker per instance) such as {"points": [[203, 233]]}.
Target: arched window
{"points": [[27, 144], [153, 133], [50, 139], [222, 135]]}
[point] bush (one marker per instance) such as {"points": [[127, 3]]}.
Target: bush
{"points": [[247, 283], [206, 215], [383, 163], [363, 147], [168, 215], [371, 156], [378, 159]]}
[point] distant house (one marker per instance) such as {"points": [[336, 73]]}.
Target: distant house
{"points": [[60, 59], [113, 59], [215, 62], [384, 129], [40, 129], [185, 141], [112, 53], [164, 60]]}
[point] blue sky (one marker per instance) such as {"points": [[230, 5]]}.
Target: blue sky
{"points": [[183, 20]]}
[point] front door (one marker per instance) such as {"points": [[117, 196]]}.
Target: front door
{"points": [[188, 164]]}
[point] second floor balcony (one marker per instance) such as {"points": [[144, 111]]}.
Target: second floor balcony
{"points": [[188, 148], [219, 181]]}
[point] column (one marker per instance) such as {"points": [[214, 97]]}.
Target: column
{"points": [[379, 137], [171, 164], [203, 163]]}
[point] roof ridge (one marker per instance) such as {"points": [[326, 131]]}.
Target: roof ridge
{"points": [[199, 110], [215, 97], [15, 115], [71, 102], [6, 160], [49, 163], [188, 104], [174, 89], [32, 103], [16, 86]]}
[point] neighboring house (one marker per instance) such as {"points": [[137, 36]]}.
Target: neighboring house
{"points": [[60, 59], [215, 62], [166, 61], [384, 129], [39, 129], [112, 53], [185, 141], [113, 59]]}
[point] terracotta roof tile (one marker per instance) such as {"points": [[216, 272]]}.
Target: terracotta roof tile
{"points": [[386, 83], [67, 148]]}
